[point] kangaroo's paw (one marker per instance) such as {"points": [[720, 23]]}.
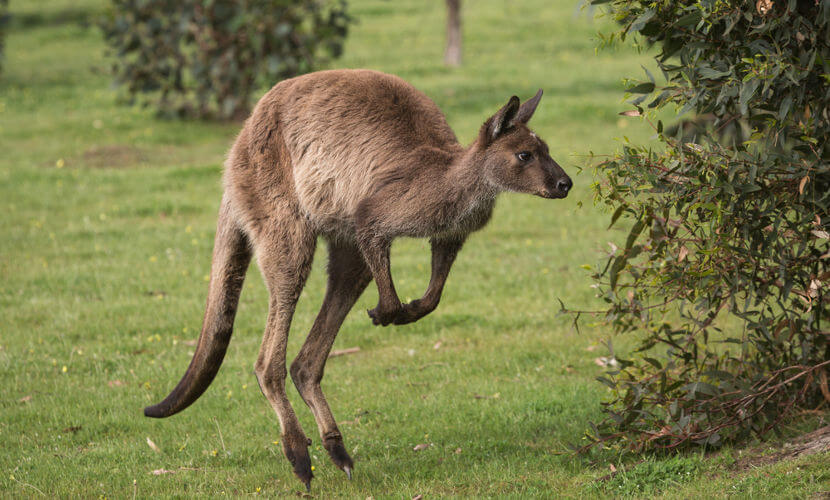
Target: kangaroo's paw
{"points": [[383, 315], [333, 443], [296, 451]]}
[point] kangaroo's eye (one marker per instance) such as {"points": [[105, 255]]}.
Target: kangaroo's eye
{"points": [[524, 156]]}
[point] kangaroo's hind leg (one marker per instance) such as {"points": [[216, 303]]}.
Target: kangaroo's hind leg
{"points": [[284, 253], [348, 277]]}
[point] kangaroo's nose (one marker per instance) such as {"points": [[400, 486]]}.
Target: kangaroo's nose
{"points": [[564, 185]]}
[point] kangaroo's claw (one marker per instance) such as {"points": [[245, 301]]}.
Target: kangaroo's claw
{"points": [[382, 316], [296, 452], [373, 315], [333, 443]]}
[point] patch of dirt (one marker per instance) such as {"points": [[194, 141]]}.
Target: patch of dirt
{"points": [[113, 156], [814, 442]]}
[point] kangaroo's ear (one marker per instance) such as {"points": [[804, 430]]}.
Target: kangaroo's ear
{"points": [[500, 122], [526, 110]]}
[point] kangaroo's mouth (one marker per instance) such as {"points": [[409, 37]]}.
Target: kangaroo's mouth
{"points": [[553, 195]]}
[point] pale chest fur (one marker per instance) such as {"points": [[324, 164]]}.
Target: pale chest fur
{"points": [[468, 217], [330, 182]]}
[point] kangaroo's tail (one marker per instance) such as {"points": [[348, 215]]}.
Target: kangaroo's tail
{"points": [[231, 256]]}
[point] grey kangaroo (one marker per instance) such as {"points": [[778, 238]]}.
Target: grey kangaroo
{"points": [[359, 158]]}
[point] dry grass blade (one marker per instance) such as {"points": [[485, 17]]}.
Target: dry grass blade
{"points": [[343, 352], [159, 472], [153, 445]]}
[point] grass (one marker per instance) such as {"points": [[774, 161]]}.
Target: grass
{"points": [[108, 216]]}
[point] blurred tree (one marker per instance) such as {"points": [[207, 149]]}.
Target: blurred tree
{"points": [[4, 22], [452, 54], [204, 58]]}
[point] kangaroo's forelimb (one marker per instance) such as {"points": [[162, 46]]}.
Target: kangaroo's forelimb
{"points": [[444, 252], [390, 310], [376, 252]]}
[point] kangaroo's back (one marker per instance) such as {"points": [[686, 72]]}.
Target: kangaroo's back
{"points": [[355, 110], [331, 138]]}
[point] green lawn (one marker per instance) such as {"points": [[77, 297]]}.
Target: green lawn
{"points": [[105, 244]]}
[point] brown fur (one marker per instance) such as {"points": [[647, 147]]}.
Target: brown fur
{"points": [[359, 158]]}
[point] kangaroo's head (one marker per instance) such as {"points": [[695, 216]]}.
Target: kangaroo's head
{"points": [[515, 159]]}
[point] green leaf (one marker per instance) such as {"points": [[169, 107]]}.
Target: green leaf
{"points": [[616, 267], [653, 362], [617, 213], [747, 91], [643, 88], [648, 74], [659, 99], [688, 20], [620, 261], [700, 388], [749, 188], [635, 232], [641, 21], [712, 74], [784, 107]]}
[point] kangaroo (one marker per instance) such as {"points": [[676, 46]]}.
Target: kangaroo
{"points": [[360, 158]]}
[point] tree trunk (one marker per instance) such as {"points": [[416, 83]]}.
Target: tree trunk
{"points": [[452, 56]]}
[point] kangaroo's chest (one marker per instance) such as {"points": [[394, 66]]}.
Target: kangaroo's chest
{"points": [[468, 219]]}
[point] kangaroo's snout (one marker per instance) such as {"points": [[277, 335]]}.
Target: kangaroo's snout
{"points": [[557, 183], [560, 189], [564, 185]]}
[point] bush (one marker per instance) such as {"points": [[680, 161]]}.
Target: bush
{"points": [[204, 58], [725, 268]]}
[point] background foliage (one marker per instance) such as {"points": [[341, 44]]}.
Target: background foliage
{"points": [[4, 21], [725, 269], [204, 58]]}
